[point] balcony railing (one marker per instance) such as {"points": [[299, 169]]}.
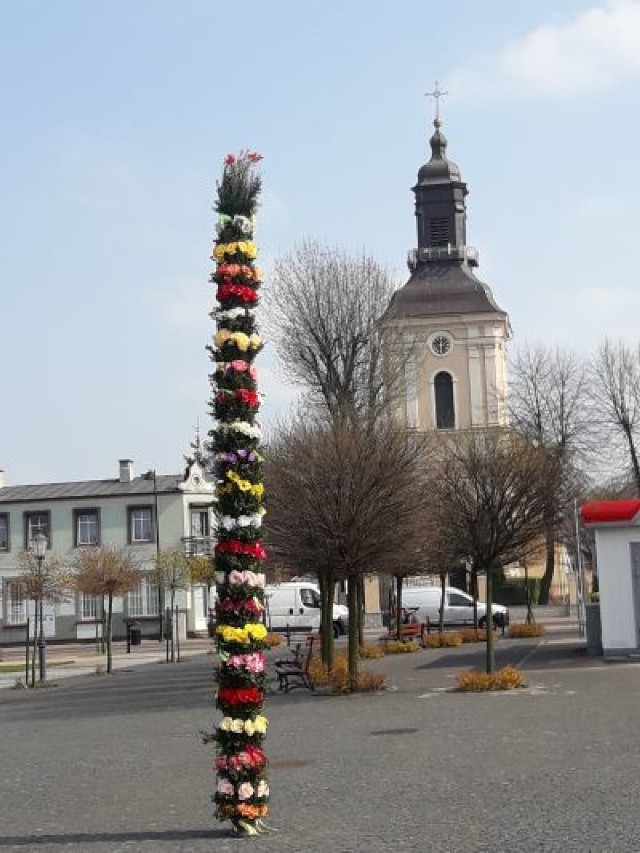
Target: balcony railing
{"points": [[197, 546], [443, 253]]}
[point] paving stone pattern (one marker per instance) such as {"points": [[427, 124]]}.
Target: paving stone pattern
{"points": [[116, 763]]}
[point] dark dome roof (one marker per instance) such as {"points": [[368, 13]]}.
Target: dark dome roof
{"points": [[438, 169], [436, 289]]}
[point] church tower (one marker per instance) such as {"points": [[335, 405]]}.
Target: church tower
{"points": [[445, 321]]}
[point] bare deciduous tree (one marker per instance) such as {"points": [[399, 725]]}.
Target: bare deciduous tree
{"points": [[345, 502], [615, 389], [171, 572], [548, 402], [106, 571], [322, 310], [42, 581], [489, 500]]}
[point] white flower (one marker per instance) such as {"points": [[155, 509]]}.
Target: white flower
{"points": [[263, 789], [225, 724], [229, 522], [225, 786], [232, 313], [237, 726], [243, 224], [245, 791]]}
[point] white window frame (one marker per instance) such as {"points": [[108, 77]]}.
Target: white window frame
{"points": [[90, 518], [88, 610], [143, 600], [4, 523], [135, 518], [15, 604]]}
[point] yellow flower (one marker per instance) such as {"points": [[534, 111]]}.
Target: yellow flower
{"points": [[258, 632], [255, 341], [249, 727], [222, 249], [226, 723], [260, 724], [247, 248], [233, 635], [237, 726], [241, 340], [222, 337]]}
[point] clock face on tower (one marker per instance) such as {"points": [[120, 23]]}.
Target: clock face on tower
{"points": [[440, 344]]}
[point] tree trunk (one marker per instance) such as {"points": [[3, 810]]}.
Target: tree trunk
{"points": [[399, 579], [474, 593], [360, 611], [109, 633], [634, 458], [35, 642], [327, 595], [443, 595], [530, 620], [549, 567], [352, 601], [489, 623], [174, 627]]}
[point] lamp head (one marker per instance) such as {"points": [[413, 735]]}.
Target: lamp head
{"points": [[39, 544]]}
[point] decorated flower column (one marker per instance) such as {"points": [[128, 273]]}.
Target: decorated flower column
{"points": [[242, 790]]}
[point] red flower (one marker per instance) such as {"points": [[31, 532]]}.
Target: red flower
{"points": [[246, 396], [242, 291], [240, 696], [254, 157], [229, 160], [233, 546]]}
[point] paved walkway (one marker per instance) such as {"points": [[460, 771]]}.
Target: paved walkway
{"points": [[75, 659]]}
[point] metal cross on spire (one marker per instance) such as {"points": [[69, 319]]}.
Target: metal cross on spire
{"points": [[436, 95]]}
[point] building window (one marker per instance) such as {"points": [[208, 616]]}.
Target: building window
{"points": [[143, 600], [140, 524], [16, 605], [439, 232], [445, 412], [4, 531], [86, 523], [199, 521], [88, 607], [34, 523]]}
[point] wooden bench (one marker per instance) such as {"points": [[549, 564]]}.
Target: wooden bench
{"points": [[293, 672]]}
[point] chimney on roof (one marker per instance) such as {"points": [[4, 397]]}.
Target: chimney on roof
{"points": [[1, 478], [126, 470]]}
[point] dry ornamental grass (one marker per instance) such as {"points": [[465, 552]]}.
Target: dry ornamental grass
{"points": [[338, 680], [443, 641], [506, 678], [520, 630]]}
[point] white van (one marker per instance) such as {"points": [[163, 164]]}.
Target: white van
{"points": [[424, 603], [296, 604]]}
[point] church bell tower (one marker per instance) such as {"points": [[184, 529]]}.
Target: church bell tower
{"points": [[445, 320]]}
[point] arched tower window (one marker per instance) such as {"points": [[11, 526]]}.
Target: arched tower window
{"points": [[445, 411]]}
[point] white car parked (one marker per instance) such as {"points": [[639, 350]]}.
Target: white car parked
{"points": [[424, 602]]}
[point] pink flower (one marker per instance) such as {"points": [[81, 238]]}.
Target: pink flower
{"points": [[245, 791]]}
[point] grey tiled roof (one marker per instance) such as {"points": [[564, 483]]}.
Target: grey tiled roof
{"points": [[88, 489], [441, 288]]}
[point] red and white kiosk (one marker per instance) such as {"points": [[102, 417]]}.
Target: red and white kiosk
{"points": [[617, 533]]}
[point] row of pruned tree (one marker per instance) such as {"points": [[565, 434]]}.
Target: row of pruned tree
{"points": [[106, 573], [349, 493]]}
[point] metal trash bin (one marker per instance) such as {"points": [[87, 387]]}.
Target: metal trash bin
{"points": [[135, 635], [594, 630]]}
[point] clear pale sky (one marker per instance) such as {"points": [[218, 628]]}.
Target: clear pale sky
{"points": [[116, 115]]}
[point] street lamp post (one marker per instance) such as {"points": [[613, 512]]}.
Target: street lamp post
{"points": [[151, 475], [39, 547]]}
